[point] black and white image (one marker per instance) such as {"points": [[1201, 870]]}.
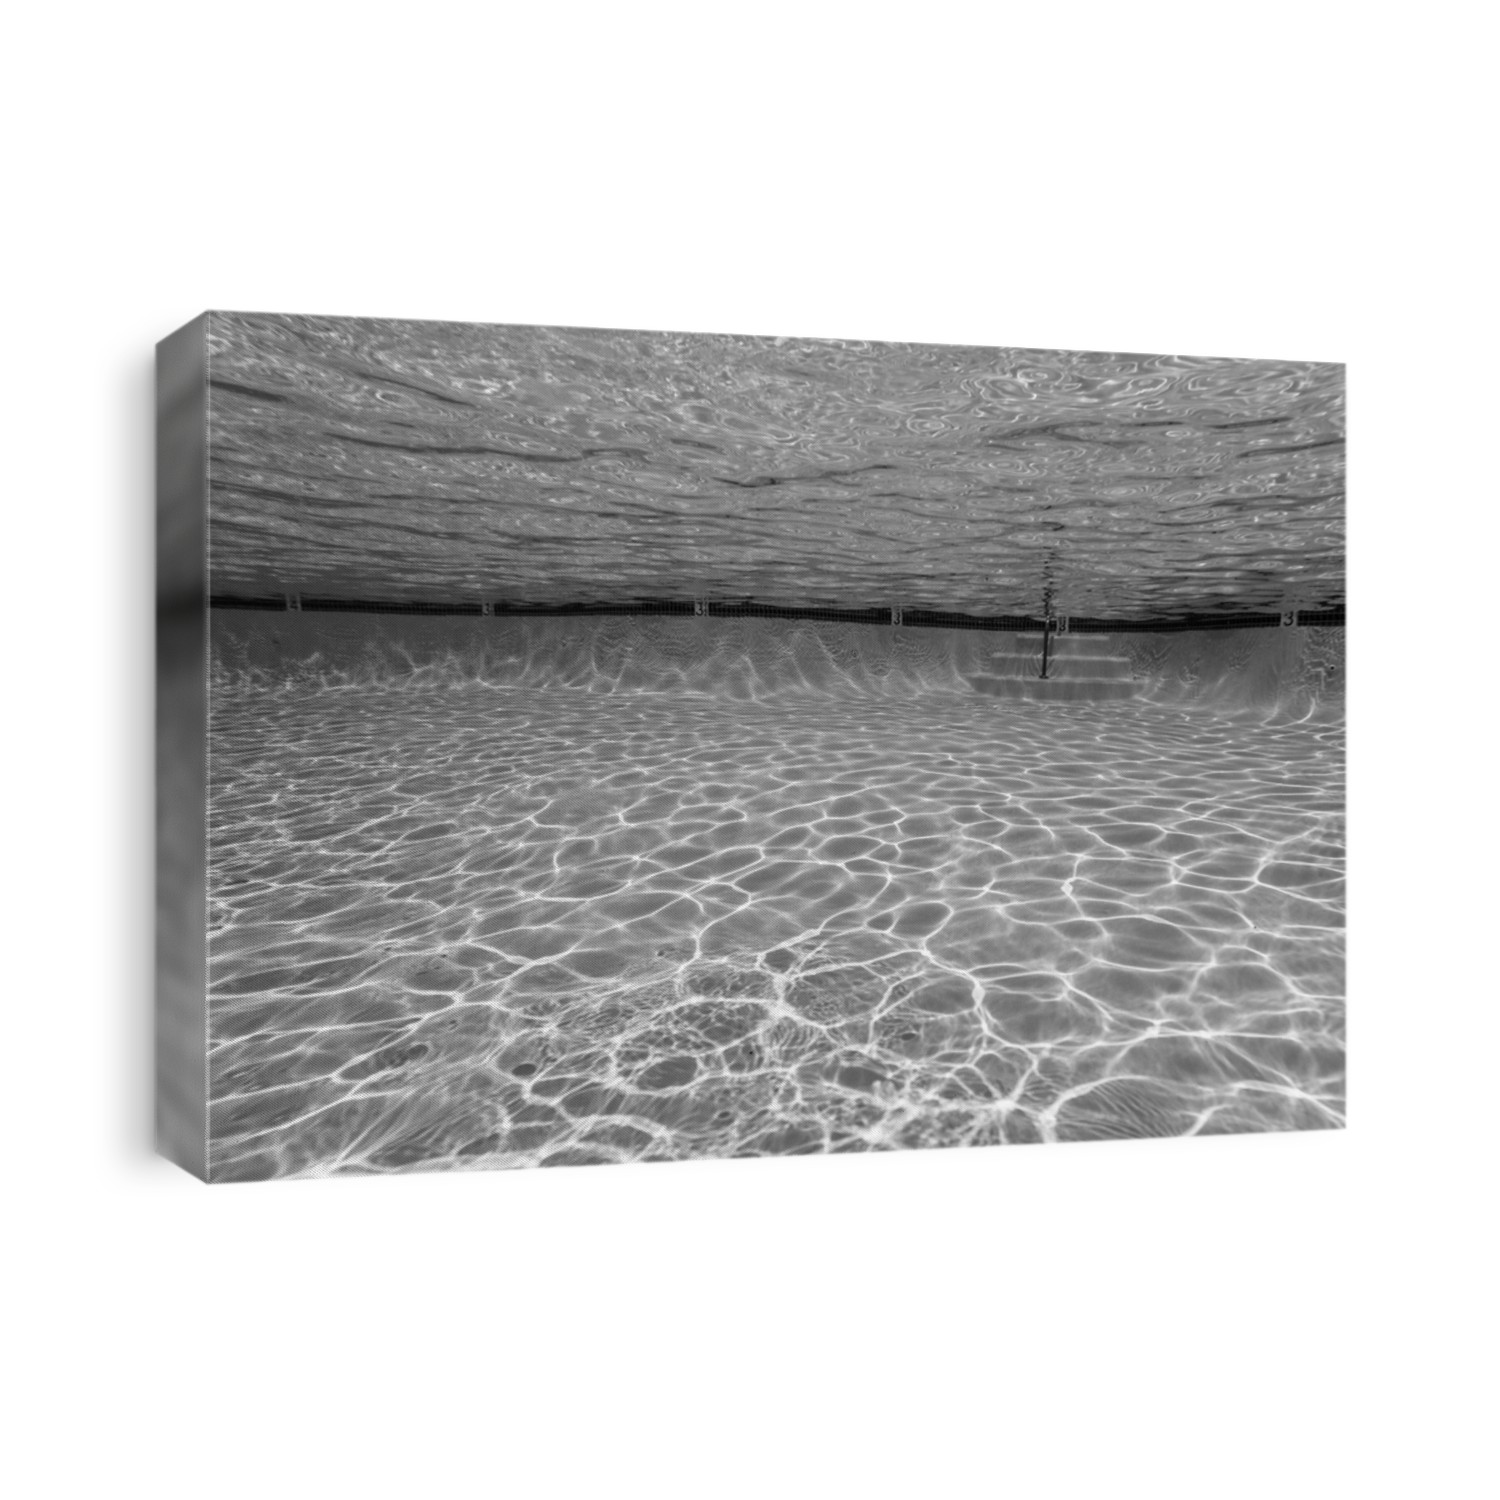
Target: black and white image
{"points": [[631, 746]]}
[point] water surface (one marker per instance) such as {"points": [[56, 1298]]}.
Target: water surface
{"points": [[377, 458]]}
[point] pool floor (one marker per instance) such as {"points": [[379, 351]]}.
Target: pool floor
{"points": [[485, 926]]}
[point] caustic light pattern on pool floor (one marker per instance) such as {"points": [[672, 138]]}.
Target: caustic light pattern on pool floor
{"points": [[499, 926]]}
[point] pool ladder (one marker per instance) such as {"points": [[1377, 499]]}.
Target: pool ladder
{"points": [[1050, 623]]}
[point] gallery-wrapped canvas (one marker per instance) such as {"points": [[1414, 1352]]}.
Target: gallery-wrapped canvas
{"points": [[592, 746]]}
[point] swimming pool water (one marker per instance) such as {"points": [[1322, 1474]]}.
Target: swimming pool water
{"points": [[642, 889], [386, 459]]}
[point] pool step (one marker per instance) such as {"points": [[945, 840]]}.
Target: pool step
{"points": [[1080, 669], [1061, 646], [1054, 689], [1104, 668]]}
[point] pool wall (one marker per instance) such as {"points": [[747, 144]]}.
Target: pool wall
{"points": [[1272, 672]]}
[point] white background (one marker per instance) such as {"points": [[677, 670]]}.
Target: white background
{"points": [[1287, 1316]]}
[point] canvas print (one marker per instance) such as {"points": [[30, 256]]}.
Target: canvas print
{"points": [[637, 746]]}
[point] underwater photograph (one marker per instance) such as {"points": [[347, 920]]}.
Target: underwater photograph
{"points": [[638, 746]]}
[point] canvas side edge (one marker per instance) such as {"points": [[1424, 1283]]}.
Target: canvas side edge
{"points": [[181, 1043]]}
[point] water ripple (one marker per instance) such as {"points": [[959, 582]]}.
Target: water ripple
{"points": [[376, 458]]}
